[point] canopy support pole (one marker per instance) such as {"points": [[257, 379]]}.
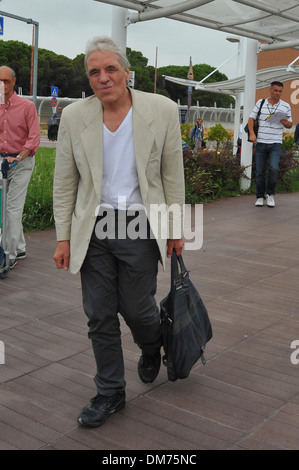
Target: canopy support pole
{"points": [[249, 102], [119, 26]]}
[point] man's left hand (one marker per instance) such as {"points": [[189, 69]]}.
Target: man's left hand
{"points": [[178, 245]]}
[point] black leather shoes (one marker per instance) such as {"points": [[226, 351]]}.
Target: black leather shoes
{"points": [[96, 413], [149, 367]]}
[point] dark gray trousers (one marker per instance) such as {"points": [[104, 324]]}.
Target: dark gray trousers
{"points": [[120, 276]]}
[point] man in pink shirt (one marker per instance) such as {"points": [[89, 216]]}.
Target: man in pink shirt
{"points": [[19, 141]]}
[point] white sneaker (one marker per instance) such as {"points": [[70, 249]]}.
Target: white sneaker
{"points": [[270, 200], [259, 202]]}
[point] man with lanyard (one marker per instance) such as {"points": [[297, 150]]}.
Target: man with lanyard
{"points": [[19, 141], [275, 115]]}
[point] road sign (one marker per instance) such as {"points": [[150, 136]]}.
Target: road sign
{"points": [[1, 25], [54, 91], [54, 102]]}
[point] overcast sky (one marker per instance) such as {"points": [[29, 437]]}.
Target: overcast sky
{"points": [[66, 25]]}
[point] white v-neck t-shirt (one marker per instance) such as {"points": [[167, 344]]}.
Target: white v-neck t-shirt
{"points": [[120, 188]]}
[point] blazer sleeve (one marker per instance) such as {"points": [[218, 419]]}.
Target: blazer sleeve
{"points": [[172, 172], [66, 177]]}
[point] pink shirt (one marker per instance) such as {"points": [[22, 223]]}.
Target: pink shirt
{"points": [[19, 126]]}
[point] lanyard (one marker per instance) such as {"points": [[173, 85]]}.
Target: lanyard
{"points": [[274, 109]]}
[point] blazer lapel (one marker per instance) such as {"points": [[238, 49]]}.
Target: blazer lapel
{"points": [[92, 139]]}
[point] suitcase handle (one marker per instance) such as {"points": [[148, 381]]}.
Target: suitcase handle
{"points": [[5, 167]]}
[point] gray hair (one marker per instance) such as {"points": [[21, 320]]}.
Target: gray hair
{"points": [[104, 43]]}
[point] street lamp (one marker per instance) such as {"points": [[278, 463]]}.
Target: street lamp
{"points": [[233, 39]]}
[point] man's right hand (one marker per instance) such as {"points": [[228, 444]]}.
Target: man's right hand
{"points": [[62, 255], [253, 138]]}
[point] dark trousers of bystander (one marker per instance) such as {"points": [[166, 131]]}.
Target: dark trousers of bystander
{"points": [[265, 153]]}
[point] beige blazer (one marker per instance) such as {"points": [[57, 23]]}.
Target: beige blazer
{"points": [[78, 169]]}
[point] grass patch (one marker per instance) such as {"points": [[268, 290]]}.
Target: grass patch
{"points": [[38, 211]]}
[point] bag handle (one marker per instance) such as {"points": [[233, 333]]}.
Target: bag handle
{"points": [[176, 277], [176, 262], [262, 103], [246, 128]]}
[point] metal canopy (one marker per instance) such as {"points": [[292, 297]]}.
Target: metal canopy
{"points": [[237, 85], [274, 22], [267, 24]]}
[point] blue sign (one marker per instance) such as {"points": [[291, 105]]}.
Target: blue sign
{"points": [[1, 25], [54, 91]]}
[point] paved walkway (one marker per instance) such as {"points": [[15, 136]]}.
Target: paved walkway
{"points": [[246, 397], [45, 142]]}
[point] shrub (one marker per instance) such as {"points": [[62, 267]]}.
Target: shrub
{"points": [[211, 175], [288, 163], [288, 142]]}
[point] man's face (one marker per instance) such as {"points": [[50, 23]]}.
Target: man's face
{"points": [[8, 80], [276, 92], [107, 77]]}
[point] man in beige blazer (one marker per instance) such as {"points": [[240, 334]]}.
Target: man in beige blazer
{"points": [[116, 150]]}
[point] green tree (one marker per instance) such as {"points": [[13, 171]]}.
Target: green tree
{"points": [[136, 58], [70, 76], [54, 70], [80, 80], [17, 55], [219, 135], [143, 80]]}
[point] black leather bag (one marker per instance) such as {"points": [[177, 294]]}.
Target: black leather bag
{"points": [[256, 123], [186, 327]]}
